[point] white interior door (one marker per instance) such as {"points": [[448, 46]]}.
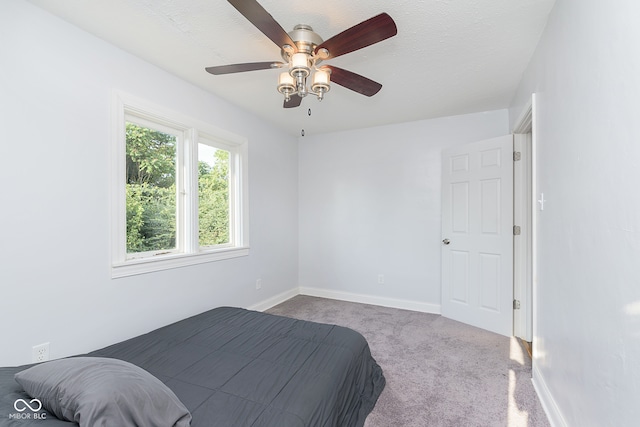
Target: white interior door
{"points": [[477, 234]]}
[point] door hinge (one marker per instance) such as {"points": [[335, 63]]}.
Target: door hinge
{"points": [[517, 156], [516, 230], [516, 304]]}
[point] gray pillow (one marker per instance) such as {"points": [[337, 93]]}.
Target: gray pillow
{"points": [[95, 391]]}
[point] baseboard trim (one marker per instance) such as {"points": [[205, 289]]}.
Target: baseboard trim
{"points": [[546, 399], [373, 300], [275, 300], [346, 296]]}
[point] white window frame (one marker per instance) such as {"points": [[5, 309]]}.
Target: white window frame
{"points": [[189, 132]]}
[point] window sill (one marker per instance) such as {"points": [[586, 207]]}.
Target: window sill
{"points": [[165, 262]]}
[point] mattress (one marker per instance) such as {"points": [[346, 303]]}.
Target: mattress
{"points": [[236, 367]]}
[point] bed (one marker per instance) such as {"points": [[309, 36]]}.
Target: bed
{"points": [[231, 367]]}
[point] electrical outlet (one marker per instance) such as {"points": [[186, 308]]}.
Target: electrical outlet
{"points": [[40, 353], [381, 279], [258, 284]]}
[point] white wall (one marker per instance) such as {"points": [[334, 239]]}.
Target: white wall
{"points": [[586, 75], [370, 204], [55, 281]]}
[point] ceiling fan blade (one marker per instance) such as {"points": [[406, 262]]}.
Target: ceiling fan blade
{"points": [[240, 68], [263, 21], [293, 102], [364, 34], [353, 81]]}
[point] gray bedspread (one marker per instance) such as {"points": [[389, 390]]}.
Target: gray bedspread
{"points": [[233, 367]]}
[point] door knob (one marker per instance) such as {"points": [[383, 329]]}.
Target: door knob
{"points": [[446, 241]]}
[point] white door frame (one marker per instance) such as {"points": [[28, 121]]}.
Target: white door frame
{"points": [[524, 208]]}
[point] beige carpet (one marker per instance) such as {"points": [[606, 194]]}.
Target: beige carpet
{"points": [[439, 372]]}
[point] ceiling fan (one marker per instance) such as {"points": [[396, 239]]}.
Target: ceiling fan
{"points": [[303, 50]]}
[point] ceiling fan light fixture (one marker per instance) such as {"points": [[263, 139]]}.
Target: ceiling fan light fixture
{"points": [[320, 83], [286, 84], [303, 50], [300, 65]]}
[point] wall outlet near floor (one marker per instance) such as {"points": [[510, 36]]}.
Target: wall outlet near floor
{"points": [[40, 353], [258, 284], [380, 279]]}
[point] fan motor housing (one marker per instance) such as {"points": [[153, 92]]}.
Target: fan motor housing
{"points": [[305, 38]]}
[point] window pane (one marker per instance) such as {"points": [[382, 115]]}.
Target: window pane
{"points": [[213, 195], [151, 189]]}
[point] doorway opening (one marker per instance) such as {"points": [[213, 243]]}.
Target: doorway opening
{"points": [[524, 277]]}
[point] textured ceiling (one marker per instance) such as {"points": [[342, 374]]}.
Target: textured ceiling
{"points": [[450, 56]]}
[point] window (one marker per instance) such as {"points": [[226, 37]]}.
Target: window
{"points": [[179, 190], [213, 196], [150, 189]]}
